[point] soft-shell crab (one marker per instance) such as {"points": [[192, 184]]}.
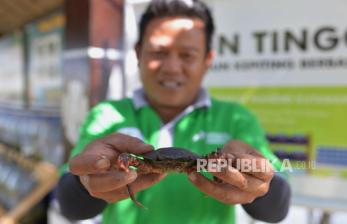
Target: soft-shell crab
{"points": [[163, 160]]}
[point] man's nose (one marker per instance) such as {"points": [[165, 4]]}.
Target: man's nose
{"points": [[171, 64]]}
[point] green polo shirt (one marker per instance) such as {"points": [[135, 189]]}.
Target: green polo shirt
{"points": [[201, 128]]}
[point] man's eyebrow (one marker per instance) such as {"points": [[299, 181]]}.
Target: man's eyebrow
{"points": [[154, 47], [191, 48], [159, 47]]}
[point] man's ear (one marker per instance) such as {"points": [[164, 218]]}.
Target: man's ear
{"points": [[138, 51], [209, 58]]}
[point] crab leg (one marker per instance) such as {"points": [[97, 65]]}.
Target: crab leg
{"points": [[125, 160], [132, 197]]}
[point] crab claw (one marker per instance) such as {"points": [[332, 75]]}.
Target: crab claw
{"points": [[216, 155], [123, 162]]}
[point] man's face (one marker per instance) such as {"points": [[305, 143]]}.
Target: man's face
{"points": [[173, 61]]}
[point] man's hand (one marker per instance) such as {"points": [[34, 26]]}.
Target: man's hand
{"points": [[237, 186], [96, 169]]}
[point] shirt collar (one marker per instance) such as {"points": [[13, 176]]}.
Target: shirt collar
{"points": [[203, 99]]}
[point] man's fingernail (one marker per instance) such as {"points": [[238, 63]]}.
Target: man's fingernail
{"points": [[102, 163], [192, 177]]}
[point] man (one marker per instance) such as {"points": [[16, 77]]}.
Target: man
{"points": [[174, 52]]}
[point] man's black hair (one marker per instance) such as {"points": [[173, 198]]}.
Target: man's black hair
{"points": [[172, 8]]}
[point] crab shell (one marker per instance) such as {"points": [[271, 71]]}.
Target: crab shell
{"points": [[170, 159]]}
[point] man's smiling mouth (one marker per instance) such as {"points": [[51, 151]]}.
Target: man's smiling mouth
{"points": [[170, 84]]}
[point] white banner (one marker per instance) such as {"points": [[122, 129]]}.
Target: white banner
{"points": [[279, 43]]}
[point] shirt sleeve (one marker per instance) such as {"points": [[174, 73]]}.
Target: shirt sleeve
{"points": [[274, 206], [74, 201]]}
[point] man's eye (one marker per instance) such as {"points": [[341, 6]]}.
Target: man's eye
{"points": [[158, 53], [186, 56]]}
